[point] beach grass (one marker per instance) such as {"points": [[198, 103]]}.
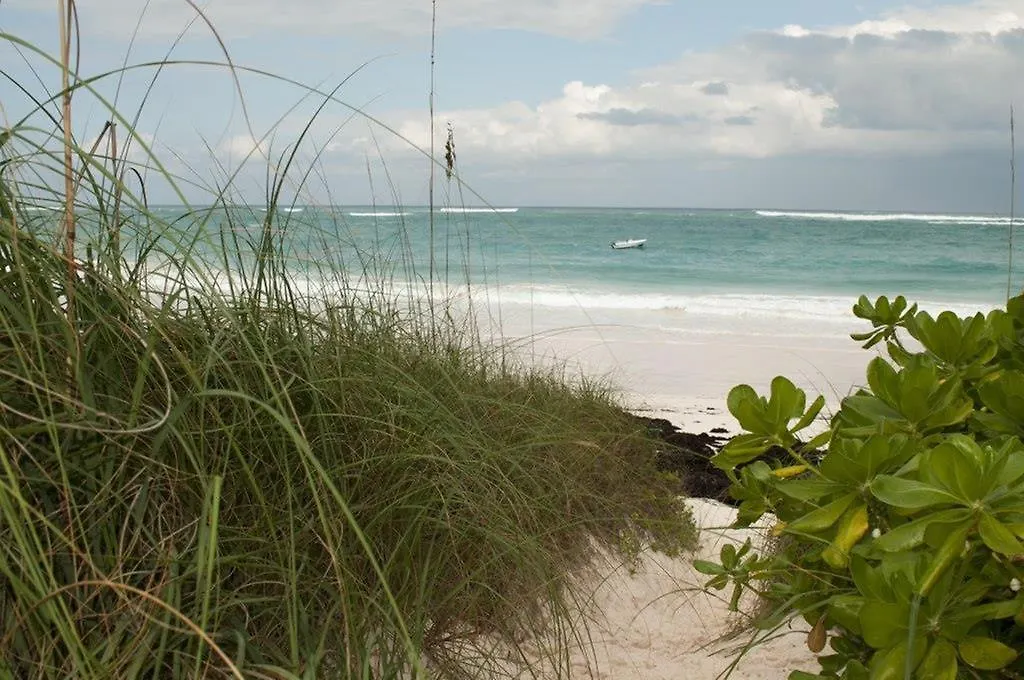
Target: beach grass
{"points": [[212, 474]]}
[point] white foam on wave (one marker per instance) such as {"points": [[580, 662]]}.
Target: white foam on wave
{"points": [[888, 217], [695, 303], [554, 307], [737, 305], [377, 214], [479, 210]]}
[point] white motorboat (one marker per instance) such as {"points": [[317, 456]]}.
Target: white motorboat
{"points": [[629, 243]]}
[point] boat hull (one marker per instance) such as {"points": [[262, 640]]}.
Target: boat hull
{"points": [[630, 243]]}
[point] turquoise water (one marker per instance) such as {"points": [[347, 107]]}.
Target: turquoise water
{"points": [[740, 261]]}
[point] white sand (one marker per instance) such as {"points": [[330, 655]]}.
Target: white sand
{"points": [[657, 623], [653, 621]]}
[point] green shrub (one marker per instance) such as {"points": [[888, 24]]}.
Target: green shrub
{"points": [[900, 543]]}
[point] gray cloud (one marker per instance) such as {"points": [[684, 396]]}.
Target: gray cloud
{"points": [[629, 118], [718, 87], [915, 80], [740, 120]]}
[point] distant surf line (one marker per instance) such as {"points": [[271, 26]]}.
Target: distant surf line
{"points": [[887, 217], [479, 210]]}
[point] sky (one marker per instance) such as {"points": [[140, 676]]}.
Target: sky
{"points": [[893, 105]]}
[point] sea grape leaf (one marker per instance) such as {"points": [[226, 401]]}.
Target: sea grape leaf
{"points": [[785, 403], [912, 534], [997, 537], [884, 624], [909, 494], [822, 518], [986, 654], [940, 663]]}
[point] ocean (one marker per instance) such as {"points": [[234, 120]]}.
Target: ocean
{"points": [[796, 264], [713, 298]]}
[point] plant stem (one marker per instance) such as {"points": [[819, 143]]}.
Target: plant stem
{"points": [[908, 666], [433, 38], [1013, 191], [66, 11]]}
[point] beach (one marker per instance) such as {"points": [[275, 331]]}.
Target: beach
{"points": [[654, 620], [680, 365]]}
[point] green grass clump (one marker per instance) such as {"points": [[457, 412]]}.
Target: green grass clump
{"points": [[213, 481]]}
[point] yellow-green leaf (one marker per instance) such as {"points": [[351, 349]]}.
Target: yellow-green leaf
{"points": [[986, 654], [823, 517], [940, 662], [851, 529], [998, 537]]}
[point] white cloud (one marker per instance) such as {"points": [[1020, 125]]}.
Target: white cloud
{"points": [[914, 81], [986, 16], [239, 148], [567, 18]]}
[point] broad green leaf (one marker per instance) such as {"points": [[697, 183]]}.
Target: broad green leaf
{"points": [[958, 411], [728, 556], [822, 518], [899, 355], [785, 403], [868, 580], [819, 440], [748, 409], [909, 494], [965, 619], [852, 528], [882, 309], [807, 489], [986, 654], [997, 537], [708, 568], [1013, 466], [890, 664], [1003, 394], [948, 553], [749, 512], [855, 670], [869, 410], [910, 535], [810, 414], [864, 309], [940, 663], [739, 450], [884, 381], [918, 384], [884, 624], [955, 465], [856, 462], [844, 610]]}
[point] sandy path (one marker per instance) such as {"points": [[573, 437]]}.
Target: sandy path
{"points": [[656, 623]]}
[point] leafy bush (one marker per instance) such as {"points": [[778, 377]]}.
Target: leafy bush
{"points": [[900, 543]]}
